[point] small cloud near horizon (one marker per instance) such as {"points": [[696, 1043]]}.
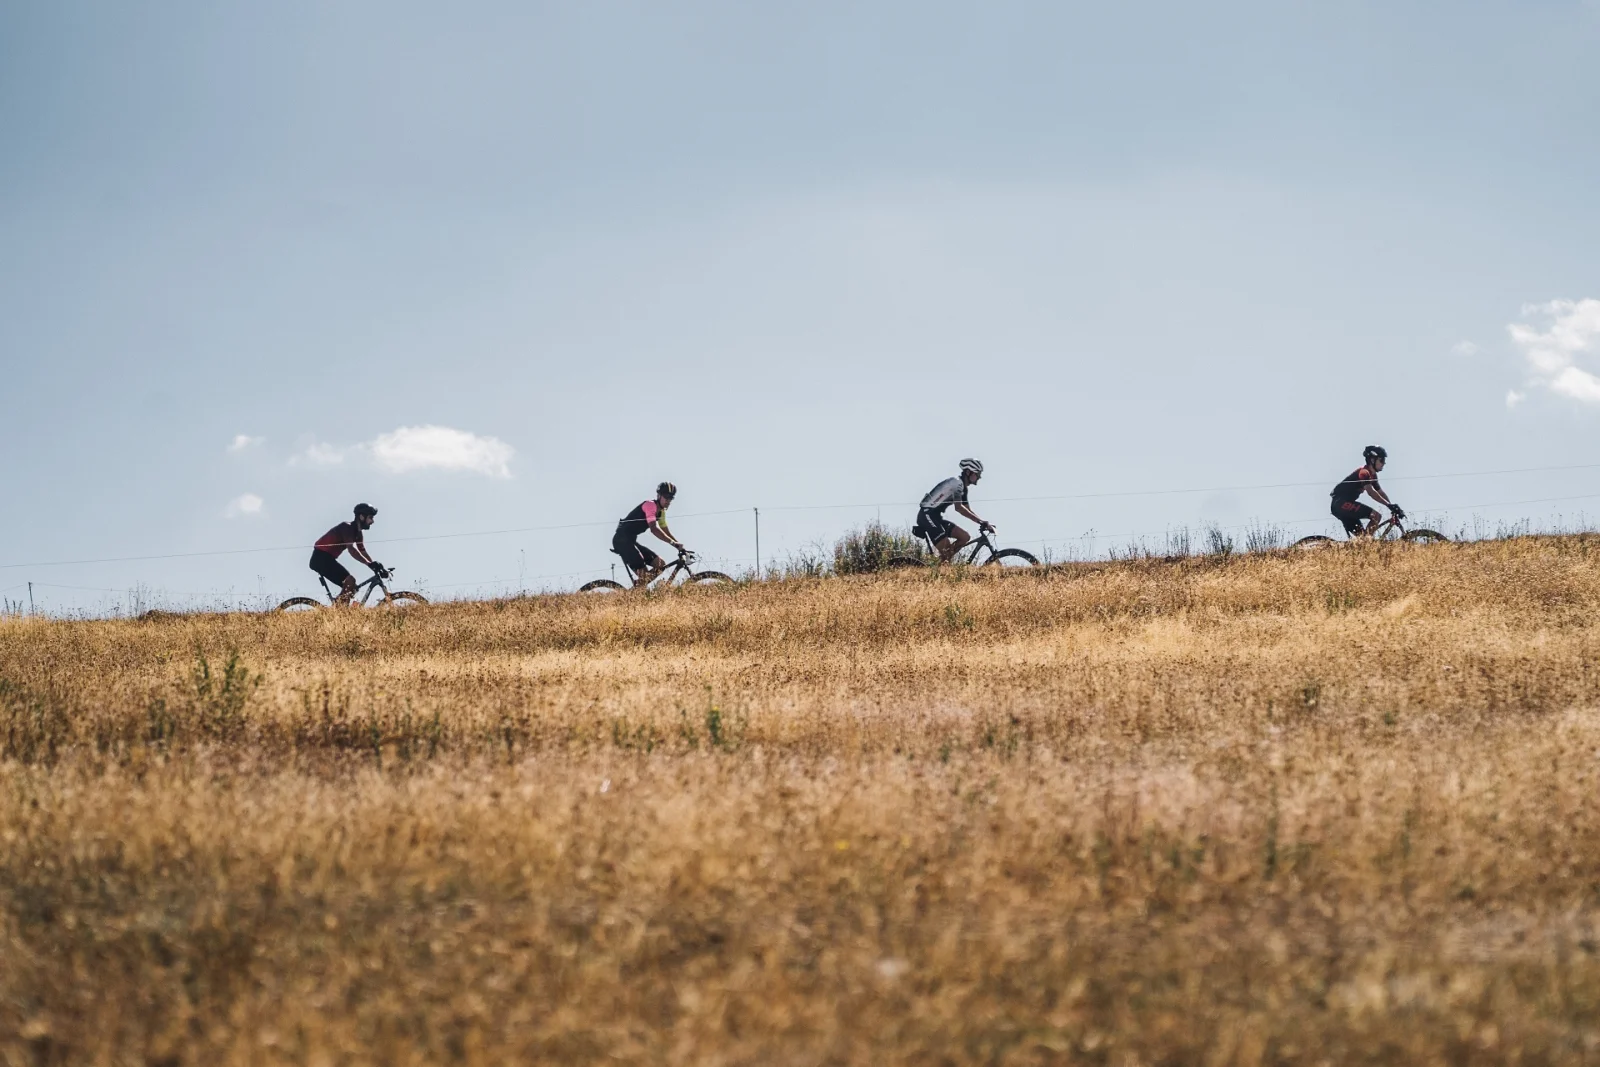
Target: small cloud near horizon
{"points": [[1553, 337], [243, 441], [1465, 348], [245, 505]]}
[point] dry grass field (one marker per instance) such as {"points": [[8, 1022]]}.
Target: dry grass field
{"points": [[1335, 808]]}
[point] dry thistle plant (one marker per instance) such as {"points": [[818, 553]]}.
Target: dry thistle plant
{"points": [[1339, 807]]}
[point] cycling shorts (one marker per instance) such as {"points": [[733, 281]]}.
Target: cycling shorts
{"points": [[1353, 515], [328, 567], [937, 526], [636, 556]]}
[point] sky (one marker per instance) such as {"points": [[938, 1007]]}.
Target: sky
{"points": [[503, 266]]}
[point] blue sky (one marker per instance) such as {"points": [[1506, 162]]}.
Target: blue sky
{"points": [[506, 265]]}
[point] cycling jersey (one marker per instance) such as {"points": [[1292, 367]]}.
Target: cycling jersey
{"points": [[636, 522], [335, 541], [1350, 490], [950, 491]]}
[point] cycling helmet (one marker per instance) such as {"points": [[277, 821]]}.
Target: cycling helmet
{"points": [[666, 489], [1375, 452], [366, 509], [972, 465]]}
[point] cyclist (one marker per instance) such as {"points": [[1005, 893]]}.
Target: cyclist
{"points": [[947, 537], [644, 565], [325, 553], [1347, 506]]}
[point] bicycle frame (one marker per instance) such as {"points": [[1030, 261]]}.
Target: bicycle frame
{"points": [[670, 572], [363, 592], [971, 547]]}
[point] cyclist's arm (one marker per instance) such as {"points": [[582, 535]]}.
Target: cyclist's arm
{"points": [[660, 530], [1377, 493], [969, 513], [359, 551]]}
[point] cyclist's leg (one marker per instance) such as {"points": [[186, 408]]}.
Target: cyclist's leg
{"points": [[1373, 520], [634, 556], [959, 539], [948, 538], [326, 566], [1349, 515]]}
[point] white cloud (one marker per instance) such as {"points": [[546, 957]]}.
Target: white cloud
{"points": [[413, 448], [417, 448], [1513, 398], [1570, 334], [318, 455], [1465, 348], [244, 506], [243, 441]]}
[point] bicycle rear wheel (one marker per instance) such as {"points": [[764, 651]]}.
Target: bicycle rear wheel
{"points": [[1314, 541], [707, 578], [1424, 537], [903, 562], [1012, 557], [602, 585], [299, 604], [404, 598]]}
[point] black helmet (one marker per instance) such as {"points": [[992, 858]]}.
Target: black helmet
{"points": [[666, 489], [366, 509], [1375, 452]]}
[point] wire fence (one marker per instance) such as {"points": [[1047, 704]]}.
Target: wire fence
{"points": [[1058, 547]]}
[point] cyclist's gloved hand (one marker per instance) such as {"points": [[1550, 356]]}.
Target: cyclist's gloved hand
{"points": [[379, 569], [986, 526], [1394, 509]]}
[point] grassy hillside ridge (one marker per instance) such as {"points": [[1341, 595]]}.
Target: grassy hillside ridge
{"points": [[1332, 807]]}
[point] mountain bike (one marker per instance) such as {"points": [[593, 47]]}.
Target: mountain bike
{"points": [[997, 557], [1390, 529], [676, 574], [386, 599]]}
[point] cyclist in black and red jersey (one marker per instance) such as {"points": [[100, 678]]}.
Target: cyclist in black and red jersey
{"points": [[325, 553], [1347, 506], [643, 564]]}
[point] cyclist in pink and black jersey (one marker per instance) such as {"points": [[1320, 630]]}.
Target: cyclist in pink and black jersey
{"points": [[651, 515]]}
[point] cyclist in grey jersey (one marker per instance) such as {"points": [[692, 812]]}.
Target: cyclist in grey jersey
{"points": [[947, 537]]}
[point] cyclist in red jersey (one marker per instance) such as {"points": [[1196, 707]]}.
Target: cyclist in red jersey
{"points": [[325, 553], [1347, 506]]}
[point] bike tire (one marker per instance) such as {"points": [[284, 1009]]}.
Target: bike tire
{"points": [[997, 560], [602, 585], [296, 602], [897, 563], [709, 577], [404, 597], [1314, 541], [1425, 537]]}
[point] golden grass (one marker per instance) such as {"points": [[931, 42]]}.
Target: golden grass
{"points": [[1332, 808]]}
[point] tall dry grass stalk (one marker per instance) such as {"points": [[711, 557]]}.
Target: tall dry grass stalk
{"points": [[1331, 808]]}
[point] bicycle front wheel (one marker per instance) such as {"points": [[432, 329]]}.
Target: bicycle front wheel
{"points": [[1012, 557], [404, 598], [299, 603], [707, 578], [1424, 537]]}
